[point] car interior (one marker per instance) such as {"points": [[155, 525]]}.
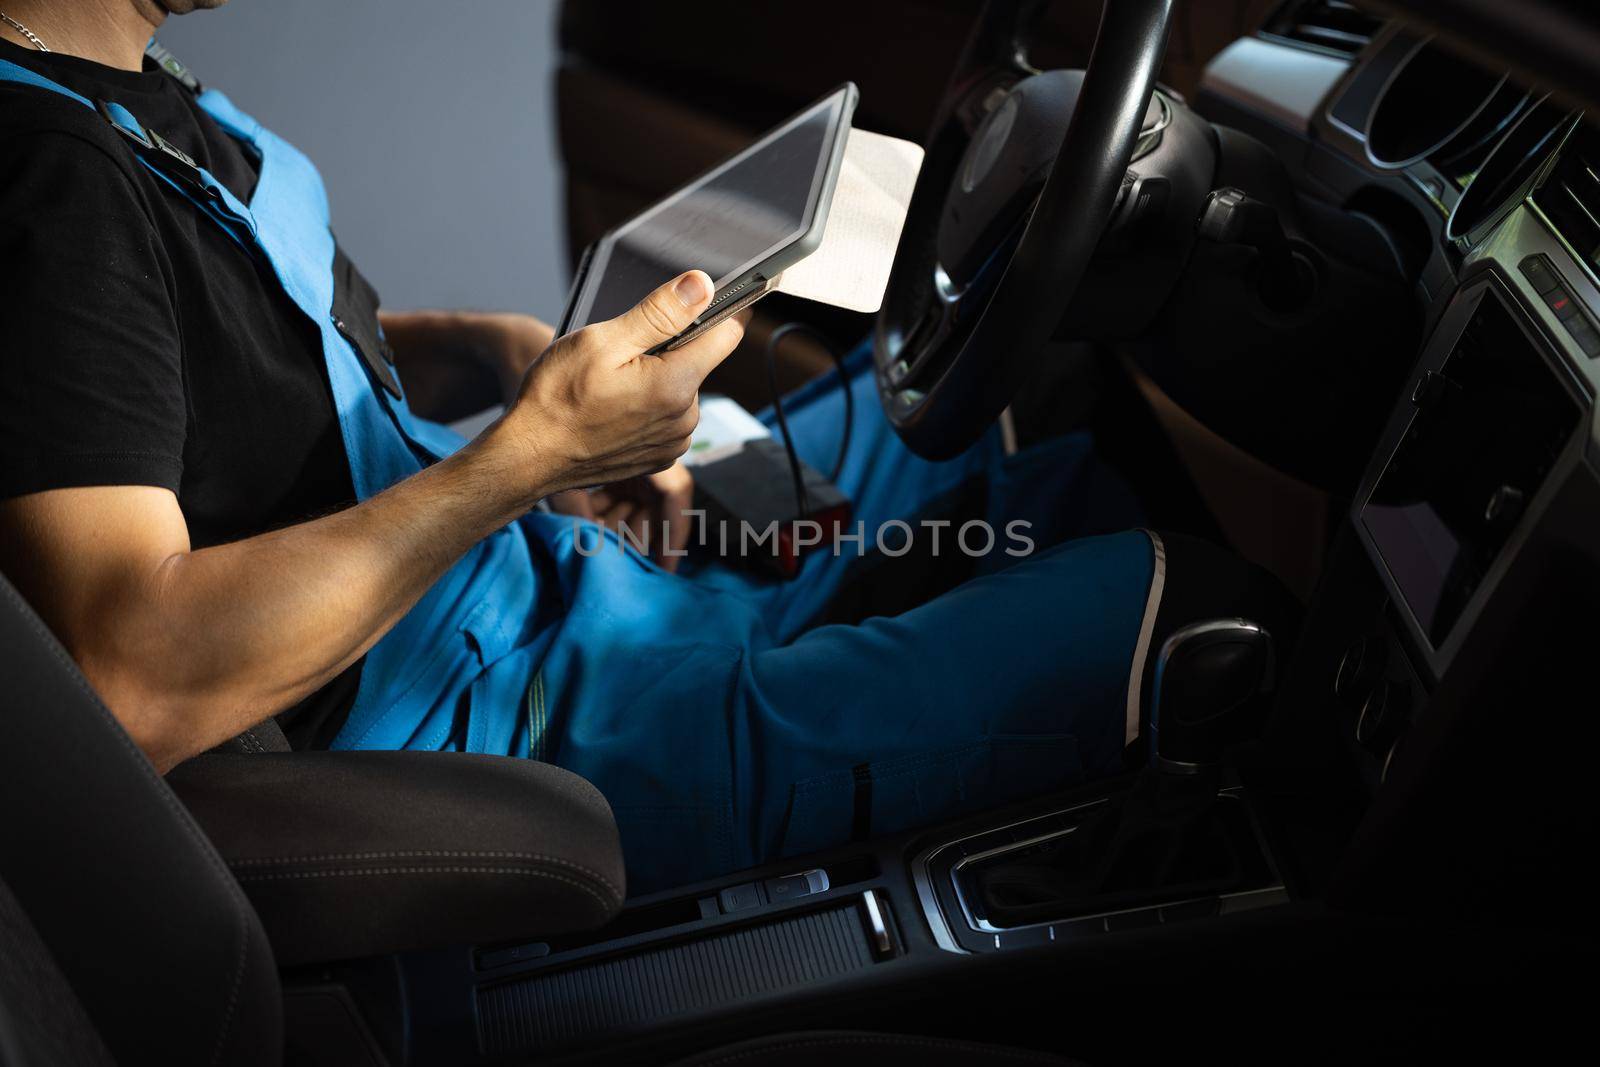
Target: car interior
{"points": [[1323, 279]]}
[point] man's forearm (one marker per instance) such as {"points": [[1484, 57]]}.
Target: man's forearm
{"points": [[189, 647], [218, 639]]}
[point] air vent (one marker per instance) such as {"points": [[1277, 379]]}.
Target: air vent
{"points": [[1570, 196], [1331, 26]]}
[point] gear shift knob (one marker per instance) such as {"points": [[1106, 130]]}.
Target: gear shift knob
{"points": [[1211, 686]]}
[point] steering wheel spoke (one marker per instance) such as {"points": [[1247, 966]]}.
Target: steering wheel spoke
{"points": [[1020, 180], [930, 334]]}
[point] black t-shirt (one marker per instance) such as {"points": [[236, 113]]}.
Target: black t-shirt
{"points": [[139, 344]]}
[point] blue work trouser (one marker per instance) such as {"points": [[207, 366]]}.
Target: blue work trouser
{"points": [[724, 733]]}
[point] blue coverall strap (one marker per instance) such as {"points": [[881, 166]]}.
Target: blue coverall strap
{"points": [[164, 159], [418, 670], [19, 75]]}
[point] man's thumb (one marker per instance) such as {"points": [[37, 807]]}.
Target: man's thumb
{"points": [[665, 313]]}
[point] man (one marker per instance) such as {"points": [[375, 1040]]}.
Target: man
{"points": [[214, 494]]}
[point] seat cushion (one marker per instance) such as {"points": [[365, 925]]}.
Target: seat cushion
{"points": [[352, 854], [136, 908]]}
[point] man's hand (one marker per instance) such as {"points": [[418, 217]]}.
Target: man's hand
{"points": [[595, 409], [654, 509]]}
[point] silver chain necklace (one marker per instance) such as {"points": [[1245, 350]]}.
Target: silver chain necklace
{"points": [[33, 38]]}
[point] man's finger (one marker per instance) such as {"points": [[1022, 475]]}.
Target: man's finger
{"points": [[705, 353], [618, 514], [662, 315]]}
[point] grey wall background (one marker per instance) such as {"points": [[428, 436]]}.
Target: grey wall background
{"points": [[432, 123]]}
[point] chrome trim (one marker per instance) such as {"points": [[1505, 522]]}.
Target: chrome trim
{"points": [[1178, 766], [1141, 648], [938, 924], [1394, 75], [922, 873], [1008, 432], [1342, 127], [1493, 219], [877, 929], [932, 913], [974, 920], [1149, 140]]}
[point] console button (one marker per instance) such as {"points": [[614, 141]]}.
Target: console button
{"points": [[741, 897], [1561, 303], [1027, 937], [795, 886], [789, 887], [1586, 335], [1539, 274]]}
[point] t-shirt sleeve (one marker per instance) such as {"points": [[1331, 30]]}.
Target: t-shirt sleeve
{"points": [[91, 369]]}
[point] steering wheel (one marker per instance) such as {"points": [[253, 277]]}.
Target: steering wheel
{"points": [[1006, 215]]}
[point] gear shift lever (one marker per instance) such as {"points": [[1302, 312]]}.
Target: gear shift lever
{"points": [[1211, 683], [1168, 838]]}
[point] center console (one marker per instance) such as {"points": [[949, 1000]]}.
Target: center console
{"points": [[1176, 842], [818, 943]]}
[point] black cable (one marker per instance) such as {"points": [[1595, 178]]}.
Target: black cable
{"points": [[783, 425], [828, 346], [778, 405]]}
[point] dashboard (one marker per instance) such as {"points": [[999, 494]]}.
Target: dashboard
{"points": [[1488, 193]]}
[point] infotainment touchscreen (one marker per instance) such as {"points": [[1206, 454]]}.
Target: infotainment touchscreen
{"points": [[1490, 424]]}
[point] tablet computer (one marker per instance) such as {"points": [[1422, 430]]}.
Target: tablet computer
{"points": [[742, 222]]}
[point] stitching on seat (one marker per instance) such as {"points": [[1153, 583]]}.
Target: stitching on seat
{"points": [[873, 1039], [345, 857], [274, 876], [242, 907]]}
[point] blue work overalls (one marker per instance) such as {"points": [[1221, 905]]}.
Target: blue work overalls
{"points": [[722, 731]]}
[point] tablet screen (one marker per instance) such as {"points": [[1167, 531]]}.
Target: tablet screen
{"points": [[724, 223]]}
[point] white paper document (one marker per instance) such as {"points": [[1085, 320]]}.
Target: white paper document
{"points": [[850, 269]]}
